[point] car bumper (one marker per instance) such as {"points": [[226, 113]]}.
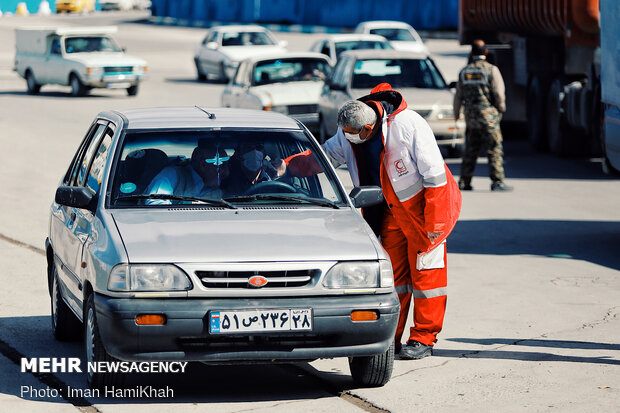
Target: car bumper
{"points": [[186, 335], [447, 132], [114, 81]]}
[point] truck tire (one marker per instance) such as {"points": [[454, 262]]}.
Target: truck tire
{"points": [[373, 371], [31, 83], [95, 351], [65, 325], [562, 140], [536, 111], [77, 87], [132, 90]]}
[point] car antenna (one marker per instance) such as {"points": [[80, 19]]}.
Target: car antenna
{"points": [[209, 114]]}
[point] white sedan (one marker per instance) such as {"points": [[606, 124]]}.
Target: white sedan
{"points": [[400, 34], [224, 47], [289, 83]]}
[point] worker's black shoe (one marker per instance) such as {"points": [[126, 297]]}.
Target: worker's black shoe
{"points": [[463, 186], [501, 186], [414, 350]]}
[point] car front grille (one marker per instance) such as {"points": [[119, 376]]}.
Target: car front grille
{"points": [[302, 109], [240, 279], [424, 113], [118, 69]]}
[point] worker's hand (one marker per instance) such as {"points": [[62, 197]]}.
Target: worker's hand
{"points": [[434, 235], [280, 166]]}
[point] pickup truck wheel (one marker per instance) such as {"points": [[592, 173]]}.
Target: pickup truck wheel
{"points": [[65, 325], [77, 87], [31, 83], [132, 90], [95, 351], [373, 371]]}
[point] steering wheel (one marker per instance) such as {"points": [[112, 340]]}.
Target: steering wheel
{"points": [[271, 187]]}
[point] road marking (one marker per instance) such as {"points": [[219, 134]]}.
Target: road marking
{"points": [[22, 244]]}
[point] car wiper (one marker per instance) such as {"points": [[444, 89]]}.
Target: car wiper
{"points": [[261, 197], [217, 202]]}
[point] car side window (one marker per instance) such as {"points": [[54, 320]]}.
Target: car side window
{"points": [[325, 49], [82, 162], [55, 48], [95, 173]]}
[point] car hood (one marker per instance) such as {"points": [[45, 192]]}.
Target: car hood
{"points": [[106, 59], [215, 235], [416, 47], [238, 53], [417, 97], [289, 93]]}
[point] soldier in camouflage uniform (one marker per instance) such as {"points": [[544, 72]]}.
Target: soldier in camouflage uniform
{"points": [[480, 90]]}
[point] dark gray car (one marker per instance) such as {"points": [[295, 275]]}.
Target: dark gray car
{"points": [[164, 248]]}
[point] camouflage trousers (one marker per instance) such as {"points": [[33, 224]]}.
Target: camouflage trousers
{"points": [[474, 140]]}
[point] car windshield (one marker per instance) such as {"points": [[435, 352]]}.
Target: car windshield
{"points": [[246, 39], [400, 73], [289, 70], [394, 34], [360, 44], [88, 44], [224, 168]]}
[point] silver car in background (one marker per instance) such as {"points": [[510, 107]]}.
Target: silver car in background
{"points": [[223, 47], [283, 269], [414, 75], [288, 83], [334, 45]]}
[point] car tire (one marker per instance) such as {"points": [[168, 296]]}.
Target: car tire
{"points": [[201, 76], [456, 151], [96, 352], [65, 325], [132, 90], [373, 371], [77, 87], [562, 141], [31, 84]]}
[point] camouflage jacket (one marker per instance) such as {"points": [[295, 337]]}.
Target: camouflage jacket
{"points": [[480, 90]]}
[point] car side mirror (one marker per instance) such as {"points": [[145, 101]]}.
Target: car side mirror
{"points": [[452, 85], [75, 197], [365, 196], [212, 45], [336, 86]]}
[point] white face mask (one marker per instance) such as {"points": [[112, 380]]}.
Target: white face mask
{"points": [[253, 160], [353, 138]]}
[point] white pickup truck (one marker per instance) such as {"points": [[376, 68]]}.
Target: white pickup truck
{"points": [[81, 57]]}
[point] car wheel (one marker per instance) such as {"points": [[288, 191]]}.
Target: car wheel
{"points": [[95, 351], [373, 371], [77, 87], [132, 90], [65, 325], [201, 76], [31, 83]]}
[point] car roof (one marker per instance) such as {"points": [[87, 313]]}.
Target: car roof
{"points": [[240, 28], [384, 23], [383, 54], [288, 55], [197, 117], [354, 36]]}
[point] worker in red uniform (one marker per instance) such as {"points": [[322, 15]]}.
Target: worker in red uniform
{"points": [[386, 145]]}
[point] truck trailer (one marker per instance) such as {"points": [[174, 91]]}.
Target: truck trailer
{"points": [[560, 61]]}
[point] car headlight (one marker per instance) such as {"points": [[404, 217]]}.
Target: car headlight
{"points": [[446, 113], [360, 274], [93, 71], [148, 277], [277, 108]]}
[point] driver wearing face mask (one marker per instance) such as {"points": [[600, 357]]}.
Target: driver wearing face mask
{"points": [[247, 168]]}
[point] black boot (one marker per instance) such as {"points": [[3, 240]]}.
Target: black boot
{"points": [[465, 185], [414, 350]]}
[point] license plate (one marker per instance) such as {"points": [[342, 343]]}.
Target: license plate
{"points": [[121, 85], [256, 321]]}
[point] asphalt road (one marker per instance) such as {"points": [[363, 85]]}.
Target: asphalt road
{"points": [[532, 321]]}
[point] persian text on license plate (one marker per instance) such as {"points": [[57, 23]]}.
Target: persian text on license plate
{"points": [[253, 321]]}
